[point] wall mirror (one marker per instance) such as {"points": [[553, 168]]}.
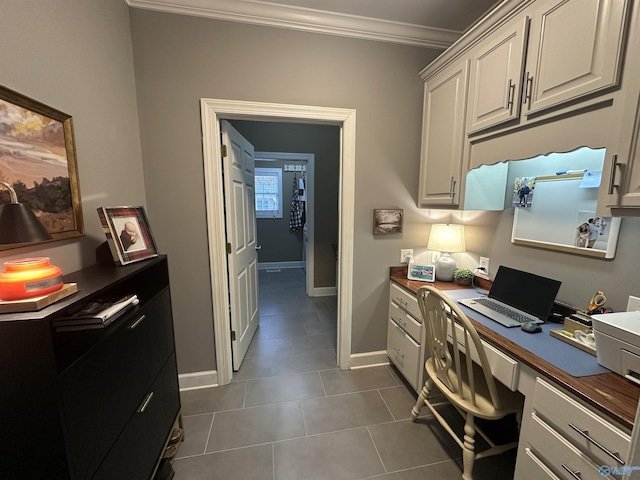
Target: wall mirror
{"points": [[559, 210]]}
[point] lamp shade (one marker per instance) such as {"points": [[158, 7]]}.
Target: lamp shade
{"points": [[447, 238], [18, 224]]}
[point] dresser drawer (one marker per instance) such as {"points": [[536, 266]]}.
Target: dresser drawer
{"points": [[103, 388], [530, 467], [406, 321], [150, 426], [405, 354], [558, 454], [567, 416], [405, 300]]}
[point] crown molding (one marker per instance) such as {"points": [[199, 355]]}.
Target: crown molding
{"points": [[306, 19]]}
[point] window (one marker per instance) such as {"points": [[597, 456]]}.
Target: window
{"points": [[268, 192]]}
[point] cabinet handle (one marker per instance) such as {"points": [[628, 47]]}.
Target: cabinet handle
{"points": [[528, 90], [137, 322], [575, 474], [612, 177], [145, 403], [511, 90], [404, 324], [399, 300], [452, 187], [585, 434], [399, 352]]}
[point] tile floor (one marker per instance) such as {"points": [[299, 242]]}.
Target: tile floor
{"points": [[291, 414]]}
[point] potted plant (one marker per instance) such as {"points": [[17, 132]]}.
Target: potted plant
{"points": [[463, 276]]}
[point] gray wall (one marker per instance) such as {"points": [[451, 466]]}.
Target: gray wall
{"points": [[180, 59], [76, 56], [324, 142]]}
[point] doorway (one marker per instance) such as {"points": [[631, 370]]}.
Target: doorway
{"points": [[212, 111]]}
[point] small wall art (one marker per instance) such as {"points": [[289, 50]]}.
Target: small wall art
{"points": [[387, 220]]}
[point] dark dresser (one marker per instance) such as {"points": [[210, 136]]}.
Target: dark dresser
{"points": [[96, 403]]}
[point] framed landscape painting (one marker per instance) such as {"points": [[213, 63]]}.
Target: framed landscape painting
{"points": [[387, 220], [38, 159]]}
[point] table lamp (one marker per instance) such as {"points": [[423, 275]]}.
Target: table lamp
{"points": [[26, 277], [446, 238]]}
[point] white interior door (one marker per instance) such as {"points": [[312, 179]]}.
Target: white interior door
{"points": [[242, 258]]}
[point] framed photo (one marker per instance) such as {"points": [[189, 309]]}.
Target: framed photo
{"points": [[387, 221], [423, 273], [128, 234], [38, 159]]}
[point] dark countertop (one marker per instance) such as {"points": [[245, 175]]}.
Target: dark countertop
{"points": [[608, 393]]}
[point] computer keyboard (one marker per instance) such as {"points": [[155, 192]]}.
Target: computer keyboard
{"points": [[506, 311]]}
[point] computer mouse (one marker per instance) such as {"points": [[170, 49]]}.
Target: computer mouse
{"points": [[531, 327]]}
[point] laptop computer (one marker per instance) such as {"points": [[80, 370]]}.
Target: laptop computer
{"points": [[516, 297]]}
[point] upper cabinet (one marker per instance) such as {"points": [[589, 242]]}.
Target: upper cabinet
{"points": [[554, 53], [620, 190], [445, 99], [533, 68], [495, 85], [574, 50]]}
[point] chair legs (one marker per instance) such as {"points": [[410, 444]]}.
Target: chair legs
{"points": [[424, 394], [468, 451]]}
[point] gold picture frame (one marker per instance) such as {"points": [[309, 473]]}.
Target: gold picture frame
{"points": [[38, 159]]}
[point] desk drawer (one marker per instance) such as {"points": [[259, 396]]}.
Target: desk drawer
{"points": [[558, 454], [405, 354], [406, 321], [504, 368], [560, 411], [406, 301]]}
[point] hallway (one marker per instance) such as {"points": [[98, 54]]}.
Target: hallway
{"points": [[289, 413]]}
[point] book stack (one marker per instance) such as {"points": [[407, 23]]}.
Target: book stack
{"points": [[97, 314]]}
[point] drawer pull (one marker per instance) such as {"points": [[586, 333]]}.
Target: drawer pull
{"points": [[585, 434], [145, 403], [137, 322], [399, 352], [400, 322], [399, 300], [575, 475]]}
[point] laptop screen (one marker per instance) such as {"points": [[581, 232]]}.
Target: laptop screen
{"points": [[528, 292]]}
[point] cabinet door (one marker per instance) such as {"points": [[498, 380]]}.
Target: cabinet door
{"points": [[575, 49], [443, 136], [495, 80]]}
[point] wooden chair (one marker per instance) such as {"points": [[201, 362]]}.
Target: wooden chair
{"points": [[467, 385]]}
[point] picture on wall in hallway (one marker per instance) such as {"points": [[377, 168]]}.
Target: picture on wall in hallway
{"points": [[387, 220]]}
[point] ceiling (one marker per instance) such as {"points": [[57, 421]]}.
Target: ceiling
{"points": [[425, 23]]}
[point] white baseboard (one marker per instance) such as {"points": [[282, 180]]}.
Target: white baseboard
{"points": [[197, 380], [279, 265], [369, 359], [324, 292]]}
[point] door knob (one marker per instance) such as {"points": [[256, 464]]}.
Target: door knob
{"points": [[258, 247]]}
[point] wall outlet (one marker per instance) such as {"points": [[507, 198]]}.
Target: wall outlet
{"points": [[484, 263], [435, 256], [633, 304], [404, 253]]}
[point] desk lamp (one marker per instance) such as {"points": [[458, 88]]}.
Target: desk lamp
{"points": [[26, 277], [446, 239]]}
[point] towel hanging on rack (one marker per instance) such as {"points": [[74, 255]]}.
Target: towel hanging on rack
{"points": [[295, 221]]}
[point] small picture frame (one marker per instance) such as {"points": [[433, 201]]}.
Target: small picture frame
{"points": [[128, 234], [422, 273], [387, 220]]}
